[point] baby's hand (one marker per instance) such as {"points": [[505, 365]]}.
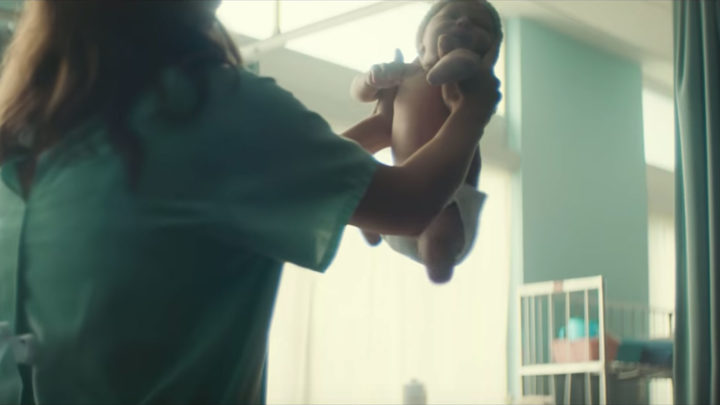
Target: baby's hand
{"points": [[448, 43], [389, 75], [481, 89], [459, 64]]}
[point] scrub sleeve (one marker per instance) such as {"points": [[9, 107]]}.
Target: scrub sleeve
{"points": [[164, 293]]}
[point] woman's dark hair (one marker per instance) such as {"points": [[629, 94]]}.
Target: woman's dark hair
{"points": [[71, 60]]}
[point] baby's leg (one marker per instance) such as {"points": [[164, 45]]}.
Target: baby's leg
{"points": [[440, 244], [372, 238]]}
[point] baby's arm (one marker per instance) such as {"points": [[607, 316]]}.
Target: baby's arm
{"points": [[380, 83], [366, 86]]}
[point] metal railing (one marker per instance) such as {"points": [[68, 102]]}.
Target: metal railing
{"points": [[567, 327]]}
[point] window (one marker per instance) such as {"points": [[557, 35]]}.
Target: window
{"points": [[659, 129], [374, 322]]}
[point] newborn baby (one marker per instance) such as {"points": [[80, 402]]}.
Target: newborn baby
{"points": [[454, 39]]}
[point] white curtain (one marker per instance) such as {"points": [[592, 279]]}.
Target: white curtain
{"points": [[661, 247], [374, 322], [661, 244]]}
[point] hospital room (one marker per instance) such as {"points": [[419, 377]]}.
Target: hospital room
{"points": [[568, 294]]}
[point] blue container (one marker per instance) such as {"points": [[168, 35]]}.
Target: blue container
{"points": [[576, 329]]}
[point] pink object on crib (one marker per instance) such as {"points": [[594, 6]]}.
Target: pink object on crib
{"points": [[582, 349]]}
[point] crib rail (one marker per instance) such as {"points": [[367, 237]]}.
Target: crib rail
{"points": [[567, 327]]}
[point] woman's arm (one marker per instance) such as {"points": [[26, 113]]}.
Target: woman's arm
{"points": [[473, 175], [404, 199], [374, 133]]}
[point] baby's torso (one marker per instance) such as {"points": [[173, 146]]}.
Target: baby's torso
{"points": [[419, 112]]}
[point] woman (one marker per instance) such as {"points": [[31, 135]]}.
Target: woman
{"points": [[151, 191]]}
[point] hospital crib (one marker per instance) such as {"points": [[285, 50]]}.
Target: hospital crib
{"points": [[575, 347]]}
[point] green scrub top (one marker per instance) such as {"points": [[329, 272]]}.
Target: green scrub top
{"points": [[163, 293]]}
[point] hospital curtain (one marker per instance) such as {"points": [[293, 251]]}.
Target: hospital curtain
{"points": [[374, 322], [697, 102]]}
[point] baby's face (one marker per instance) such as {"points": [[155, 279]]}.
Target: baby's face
{"points": [[460, 24]]}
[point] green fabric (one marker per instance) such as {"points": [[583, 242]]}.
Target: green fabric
{"points": [[164, 294], [697, 95]]}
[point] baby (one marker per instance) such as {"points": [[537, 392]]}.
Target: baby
{"points": [[454, 39]]}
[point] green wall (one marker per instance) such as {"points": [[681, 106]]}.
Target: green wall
{"points": [[8, 12], [578, 126], [575, 117], [10, 5]]}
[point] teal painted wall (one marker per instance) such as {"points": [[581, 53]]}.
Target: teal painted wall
{"points": [[9, 9], [580, 134], [574, 115], [10, 5]]}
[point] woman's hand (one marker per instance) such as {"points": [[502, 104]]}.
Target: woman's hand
{"points": [[479, 92]]}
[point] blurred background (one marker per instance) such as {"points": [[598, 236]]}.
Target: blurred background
{"points": [[578, 164]]}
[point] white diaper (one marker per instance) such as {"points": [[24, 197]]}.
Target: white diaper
{"points": [[469, 202]]}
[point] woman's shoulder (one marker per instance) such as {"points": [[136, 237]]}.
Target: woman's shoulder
{"points": [[240, 85], [220, 79], [214, 89], [239, 78], [220, 96]]}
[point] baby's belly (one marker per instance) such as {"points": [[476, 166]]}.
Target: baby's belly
{"points": [[419, 112]]}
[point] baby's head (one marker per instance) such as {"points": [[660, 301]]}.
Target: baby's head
{"points": [[472, 24]]}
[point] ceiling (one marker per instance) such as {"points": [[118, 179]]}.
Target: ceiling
{"points": [[641, 30], [638, 29]]}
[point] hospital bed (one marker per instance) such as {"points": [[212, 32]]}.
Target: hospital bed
{"points": [[575, 347]]}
